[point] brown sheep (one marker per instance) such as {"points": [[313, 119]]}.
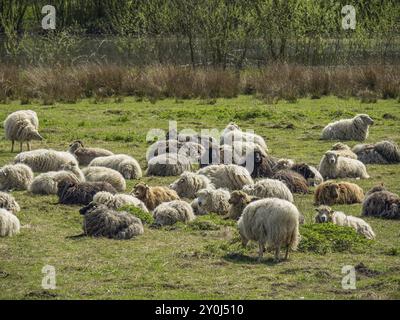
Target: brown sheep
{"points": [[238, 201], [261, 164], [294, 181], [153, 196], [330, 193]]}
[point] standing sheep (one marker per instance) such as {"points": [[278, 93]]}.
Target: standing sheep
{"points": [[153, 196], [85, 155], [294, 181], [330, 193], [8, 202], [211, 200], [383, 204], [169, 213], [269, 188], [189, 184], [343, 150], [124, 164], [348, 129], [15, 177], [116, 201], [384, 152], [43, 160], [9, 223], [333, 166], [22, 126], [169, 164], [103, 174], [274, 222]]}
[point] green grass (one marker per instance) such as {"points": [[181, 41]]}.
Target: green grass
{"points": [[203, 260]]}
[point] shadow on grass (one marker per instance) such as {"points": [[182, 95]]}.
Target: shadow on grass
{"points": [[245, 259]]}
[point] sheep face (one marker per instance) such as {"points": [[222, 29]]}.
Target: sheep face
{"points": [[333, 191], [141, 191], [180, 183], [91, 206], [75, 145], [34, 135], [258, 157], [331, 158], [324, 214], [203, 197], [366, 119]]}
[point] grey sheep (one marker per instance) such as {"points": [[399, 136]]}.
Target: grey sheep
{"points": [[124, 164], [169, 164], [381, 203], [384, 152], [189, 183], [348, 129], [85, 155], [9, 223], [15, 177], [8, 202]]}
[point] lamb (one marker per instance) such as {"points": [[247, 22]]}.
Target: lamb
{"points": [[269, 188], [43, 160], [333, 166], [153, 196], [348, 129], [22, 126], [103, 174], [384, 152], [330, 193], [189, 184], [9, 223], [383, 204], [8, 202], [310, 173], [69, 192], [169, 164], [101, 221], [274, 222], [116, 201], [245, 137], [230, 176], [294, 181], [124, 164], [326, 214], [238, 201], [15, 177], [169, 213], [47, 182], [343, 150], [85, 155], [213, 201]]}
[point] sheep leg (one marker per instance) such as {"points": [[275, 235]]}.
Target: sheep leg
{"points": [[261, 249], [28, 144], [12, 146], [287, 253], [277, 254], [20, 146]]}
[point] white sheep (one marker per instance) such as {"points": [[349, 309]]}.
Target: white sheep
{"points": [[213, 201], [229, 176], [169, 164], [9, 223], [8, 202], [162, 147], [348, 129], [22, 126], [116, 201], [15, 177], [326, 214], [103, 174], [169, 213], [189, 183], [44, 160], [269, 188], [124, 164], [241, 136], [230, 127], [274, 222], [333, 166]]}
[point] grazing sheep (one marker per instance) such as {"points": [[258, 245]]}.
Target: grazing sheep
{"points": [[333, 166], [274, 222], [85, 155], [103, 174], [124, 164], [169, 164], [153, 196], [169, 213], [8, 202], [348, 129], [310, 173], [326, 214], [238, 201], [384, 152], [101, 221], [245, 137], [230, 176], [22, 126], [343, 150], [69, 192], [189, 183], [258, 164], [213, 200], [269, 188], [330, 193], [115, 201], [43, 160], [294, 181], [9, 223], [383, 204], [15, 177]]}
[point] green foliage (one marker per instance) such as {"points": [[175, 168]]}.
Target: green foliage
{"points": [[146, 217]]}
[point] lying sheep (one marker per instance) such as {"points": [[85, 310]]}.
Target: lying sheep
{"points": [[269, 188], [124, 164], [169, 164], [101, 221], [326, 214], [69, 192], [169, 213], [310, 173], [189, 184], [230, 176], [153, 196], [333, 166], [384, 152], [103, 174], [294, 181], [43, 160], [343, 150], [85, 155], [258, 164], [230, 127], [196, 208], [330, 193], [15, 177], [282, 164], [348, 129], [116, 201], [238, 201], [213, 201], [383, 204], [22, 126], [8, 202], [9, 223], [245, 137], [161, 147], [274, 222]]}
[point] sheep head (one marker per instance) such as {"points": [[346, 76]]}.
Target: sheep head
{"points": [[324, 214], [333, 191], [331, 157], [340, 146], [75, 145], [366, 119], [141, 191]]}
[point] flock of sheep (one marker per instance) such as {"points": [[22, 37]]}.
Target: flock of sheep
{"points": [[237, 179]]}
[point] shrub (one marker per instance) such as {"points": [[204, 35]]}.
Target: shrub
{"points": [[146, 217]]}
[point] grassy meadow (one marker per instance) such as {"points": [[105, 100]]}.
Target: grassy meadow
{"points": [[203, 260]]}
